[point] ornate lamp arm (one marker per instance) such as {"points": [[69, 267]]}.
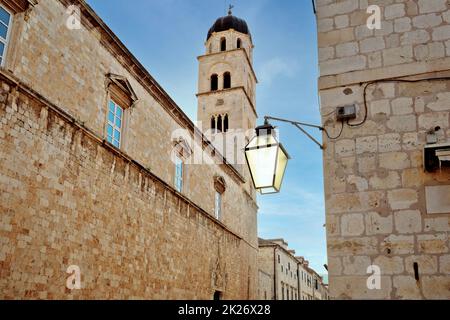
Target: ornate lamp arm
{"points": [[299, 126]]}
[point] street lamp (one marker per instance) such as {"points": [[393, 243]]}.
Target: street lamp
{"points": [[267, 160], [266, 157]]}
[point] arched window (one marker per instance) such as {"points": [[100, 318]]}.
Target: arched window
{"points": [[239, 43], [213, 123], [219, 123], [227, 80], [214, 82], [223, 44], [225, 123], [210, 47]]}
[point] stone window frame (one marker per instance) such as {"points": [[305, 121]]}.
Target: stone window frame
{"points": [[179, 173], [120, 92], [19, 11], [9, 27], [181, 151], [219, 191], [118, 113]]}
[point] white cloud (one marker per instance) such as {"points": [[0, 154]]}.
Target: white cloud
{"points": [[277, 67]]}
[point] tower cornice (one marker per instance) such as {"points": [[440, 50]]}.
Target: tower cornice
{"points": [[208, 93]]}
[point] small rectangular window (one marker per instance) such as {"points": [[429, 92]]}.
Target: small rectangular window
{"points": [[5, 26], [178, 174], [218, 206], [115, 124]]}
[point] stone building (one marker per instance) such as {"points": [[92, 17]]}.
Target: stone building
{"points": [[96, 172], [387, 180], [283, 276]]}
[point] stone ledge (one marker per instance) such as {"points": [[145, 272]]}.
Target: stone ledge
{"points": [[397, 71]]}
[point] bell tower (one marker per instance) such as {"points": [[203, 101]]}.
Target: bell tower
{"points": [[227, 81]]}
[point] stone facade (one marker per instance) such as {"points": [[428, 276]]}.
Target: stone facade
{"points": [[283, 276], [68, 197], [375, 182]]}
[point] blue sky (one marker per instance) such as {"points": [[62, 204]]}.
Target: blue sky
{"points": [[168, 35]]}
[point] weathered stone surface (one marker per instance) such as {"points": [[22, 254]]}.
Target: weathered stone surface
{"points": [[426, 6], [442, 102], [352, 224], [402, 123], [389, 265], [428, 121], [70, 198], [408, 221], [343, 65], [433, 243], [436, 287], [352, 246], [402, 198], [406, 288], [441, 33], [394, 160], [386, 151], [398, 55], [359, 183], [355, 202], [427, 264], [347, 49], [372, 44], [366, 144], [380, 107], [389, 142], [377, 224], [356, 265], [394, 11], [444, 264], [402, 106], [427, 21], [346, 287], [395, 244], [440, 224], [345, 148]]}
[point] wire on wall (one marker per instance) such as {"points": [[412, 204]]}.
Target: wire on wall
{"points": [[388, 81]]}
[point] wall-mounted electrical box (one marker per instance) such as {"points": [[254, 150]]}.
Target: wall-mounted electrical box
{"points": [[436, 156], [346, 112]]}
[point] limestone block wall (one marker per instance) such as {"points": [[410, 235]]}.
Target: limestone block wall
{"points": [[376, 204], [266, 267], [69, 67], [68, 199]]}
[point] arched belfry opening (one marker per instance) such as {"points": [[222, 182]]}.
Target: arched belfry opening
{"points": [[223, 44], [219, 123], [213, 123], [225, 123], [239, 43], [214, 82], [227, 80]]}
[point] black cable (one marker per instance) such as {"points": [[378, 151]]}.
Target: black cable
{"points": [[387, 81], [340, 132]]}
